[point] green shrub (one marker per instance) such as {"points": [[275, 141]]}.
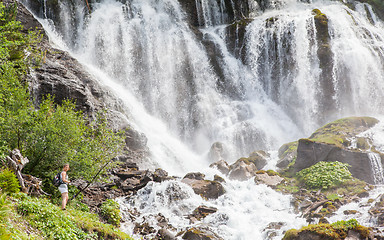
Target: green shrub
{"points": [[8, 181], [323, 175], [333, 197], [111, 211]]}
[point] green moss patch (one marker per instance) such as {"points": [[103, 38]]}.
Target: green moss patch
{"points": [[338, 131], [337, 230]]}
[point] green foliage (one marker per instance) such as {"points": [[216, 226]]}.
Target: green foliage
{"points": [[4, 207], [71, 224], [324, 175], [345, 225], [333, 197], [8, 181], [111, 211]]}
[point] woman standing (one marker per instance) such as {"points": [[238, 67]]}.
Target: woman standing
{"points": [[63, 188]]}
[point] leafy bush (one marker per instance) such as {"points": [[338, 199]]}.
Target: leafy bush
{"points": [[345, 225], [8, 181], [111, 211], [323, 175]]}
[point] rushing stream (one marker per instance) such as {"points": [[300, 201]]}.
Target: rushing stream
{"points": [[285, 80]]}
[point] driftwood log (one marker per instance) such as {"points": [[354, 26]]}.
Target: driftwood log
{"points": [[29, 184]]}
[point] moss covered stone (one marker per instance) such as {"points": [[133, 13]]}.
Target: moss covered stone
{"points": [[337, 230], [339, 131]]}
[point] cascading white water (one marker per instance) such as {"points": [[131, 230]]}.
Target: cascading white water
{"points": [[244, 212], [377, 168], [151, 59]]}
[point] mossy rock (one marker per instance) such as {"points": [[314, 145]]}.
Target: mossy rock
{"points": [[320, 16], [287, 154], [257, 158], [287, 148], [323, 231], [339, 131]]}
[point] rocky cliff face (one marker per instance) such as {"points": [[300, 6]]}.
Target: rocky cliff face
{"points": [[62, 76]]}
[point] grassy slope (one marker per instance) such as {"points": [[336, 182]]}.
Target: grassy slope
{"points": [[38, 218]]}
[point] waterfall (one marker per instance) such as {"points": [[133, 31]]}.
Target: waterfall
{"points": [[186, 87], [377, 168], [277, 90]]}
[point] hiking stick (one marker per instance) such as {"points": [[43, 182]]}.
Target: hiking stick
{"points": [[94, 178]]}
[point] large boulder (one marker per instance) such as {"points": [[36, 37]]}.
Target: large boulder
{"points": [[246, 168], [222, 166], [269, 180], [242, 171], [332, 143], [205, 188], [310, 153], [200, 233]]}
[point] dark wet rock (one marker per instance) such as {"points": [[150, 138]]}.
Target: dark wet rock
{"points": [[164, 234], [195, 175], [271, 229], [350, 212], [135, 140], [201, 212], [276, 225], [189, 7], [363, 194], [222, 166], [205, 188], [234, 10], [143, 229], [200, 233], [218, 179], [235, 38], [268, 180], [378, 7], [325, 56], [160, 175], [242, 171]]}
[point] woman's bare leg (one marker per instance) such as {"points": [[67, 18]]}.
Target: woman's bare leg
{"points": [[64, 201]]}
